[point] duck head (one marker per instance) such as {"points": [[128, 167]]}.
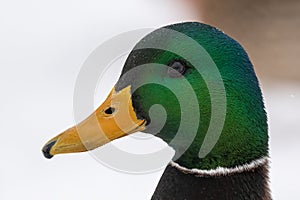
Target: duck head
{"points": [[151, 75]]}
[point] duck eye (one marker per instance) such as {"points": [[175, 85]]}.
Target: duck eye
{"points": [[109, 110], [176, 69]]}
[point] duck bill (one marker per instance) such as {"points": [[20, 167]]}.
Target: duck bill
{"points": [[115, 118]]}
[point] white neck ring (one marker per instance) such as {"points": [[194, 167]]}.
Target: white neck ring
{"points": [[222, 171]]}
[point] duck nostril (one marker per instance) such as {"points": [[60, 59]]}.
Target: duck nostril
{"points": [[109, 110], [46, 149]]}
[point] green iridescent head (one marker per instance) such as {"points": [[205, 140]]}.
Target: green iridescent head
{"points": [[174, 65]]}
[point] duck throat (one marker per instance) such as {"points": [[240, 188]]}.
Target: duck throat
{"points": [[246, 182]]}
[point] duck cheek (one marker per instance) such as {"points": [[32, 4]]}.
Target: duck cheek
{"points": [[157, 119]]}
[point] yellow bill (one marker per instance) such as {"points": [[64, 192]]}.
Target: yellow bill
{"points": [[114, 119]]}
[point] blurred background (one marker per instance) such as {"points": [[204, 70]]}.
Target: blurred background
{"points": [[45, 43]]}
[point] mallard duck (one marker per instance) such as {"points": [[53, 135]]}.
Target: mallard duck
{"points": [[198, 61]]}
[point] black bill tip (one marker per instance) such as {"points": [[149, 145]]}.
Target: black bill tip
{"points": [[46, 149]]}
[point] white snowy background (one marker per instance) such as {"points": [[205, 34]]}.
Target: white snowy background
{"points": [[43, 45]]}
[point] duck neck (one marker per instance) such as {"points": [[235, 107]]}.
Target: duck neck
{"points": [[247, 182]]}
